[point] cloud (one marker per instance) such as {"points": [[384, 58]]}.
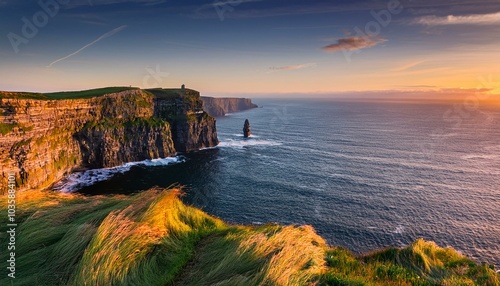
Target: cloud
{"points": [[106, 35], [285, 8], [298, 7], [476, 19], [407, 66], [353, 43], [292, 67]]}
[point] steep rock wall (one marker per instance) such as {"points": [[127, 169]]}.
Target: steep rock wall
{"points": [[116, 143], [218, 107], [43, 140], [193, 128]]}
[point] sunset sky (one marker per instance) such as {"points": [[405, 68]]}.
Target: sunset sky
{"points": [[250, 46]]}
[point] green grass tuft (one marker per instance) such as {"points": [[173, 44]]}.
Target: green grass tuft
{"points": [[6, 128]]}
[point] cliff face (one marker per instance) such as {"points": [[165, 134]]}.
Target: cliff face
{"points": [[220, 106], [192, 127], [43, 140], [137, 140]]}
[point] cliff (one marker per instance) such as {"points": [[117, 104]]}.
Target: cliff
{"points": [[42, 139], [193, 127], [220, 106]]}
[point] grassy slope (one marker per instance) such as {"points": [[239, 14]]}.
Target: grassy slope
{"points": [[153, 239], [166, 92], [65, 95]]}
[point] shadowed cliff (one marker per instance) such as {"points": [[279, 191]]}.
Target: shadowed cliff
{"points": [[45, 136]]}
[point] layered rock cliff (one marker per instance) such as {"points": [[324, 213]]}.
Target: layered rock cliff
{"points": [[220, 106], [41, 140], [193, 128]]}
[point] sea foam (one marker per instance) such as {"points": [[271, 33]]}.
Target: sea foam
{"points": [[240, 143], [79, 180]]}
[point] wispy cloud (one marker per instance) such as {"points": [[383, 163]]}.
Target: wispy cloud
{"points": [[416, 87], [287, 8], [476, 19], [407, 66], [106, 35], [284, 8], [438, 71], [77, 3], [292, 67], [353, 43]]}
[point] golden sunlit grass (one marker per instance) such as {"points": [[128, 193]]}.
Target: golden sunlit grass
{"points": [[146, 243], [266, 255], [152, 238]]}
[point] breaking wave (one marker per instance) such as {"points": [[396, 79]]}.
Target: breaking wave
{"points": [[79, 180], [240, 143]]}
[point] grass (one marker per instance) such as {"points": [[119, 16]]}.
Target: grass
{"points": [[86, 93], [421, 263], [152, 238], [172, 93], [65, 95], [109, 123], [142, 122], [267, 255], [189, 96], [76, 240], [22, 95], [6, 128]]}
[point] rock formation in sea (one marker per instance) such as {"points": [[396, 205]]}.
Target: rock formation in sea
{"points": [[218, 107], [44, 139], [246, 129]]}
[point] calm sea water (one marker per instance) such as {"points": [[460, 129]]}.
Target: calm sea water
{"points": [[365, 175]]}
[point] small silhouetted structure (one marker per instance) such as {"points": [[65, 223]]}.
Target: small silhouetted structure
{"points": [[246, 129]]}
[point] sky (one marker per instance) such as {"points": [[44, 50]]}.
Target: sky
{"points": [[225, 47]]}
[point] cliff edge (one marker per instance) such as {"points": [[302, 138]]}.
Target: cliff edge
{"points": [[115, 240], [218, 107], [44, 137]]}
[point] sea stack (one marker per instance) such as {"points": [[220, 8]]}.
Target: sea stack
{"points": [[246, 129]]}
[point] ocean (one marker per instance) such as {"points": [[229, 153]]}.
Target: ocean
{"points": [[365, 175]]}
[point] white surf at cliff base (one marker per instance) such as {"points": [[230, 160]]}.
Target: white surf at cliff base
{"points": [[79, 180]]}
